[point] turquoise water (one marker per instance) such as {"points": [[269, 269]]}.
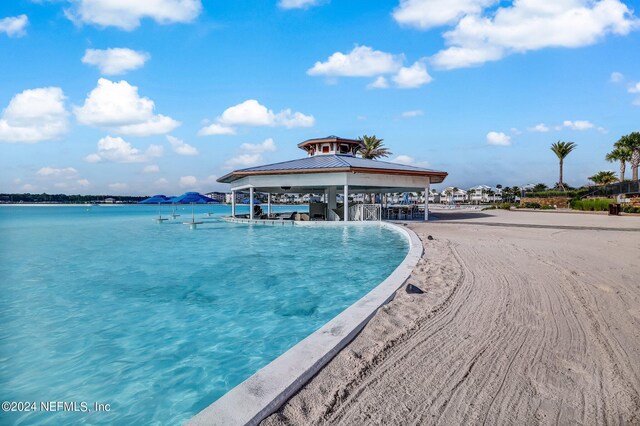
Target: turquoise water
{"points": [[101, 304]]}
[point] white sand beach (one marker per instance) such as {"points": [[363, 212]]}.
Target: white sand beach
{"points": [[527, 318]]}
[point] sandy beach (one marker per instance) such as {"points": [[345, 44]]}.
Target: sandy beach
{"points": [[527, 318]]}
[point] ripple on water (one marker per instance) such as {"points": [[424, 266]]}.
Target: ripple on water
{"points": [[158, 320]]}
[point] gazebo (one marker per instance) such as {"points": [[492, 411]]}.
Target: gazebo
{"points": [[331, 168]]}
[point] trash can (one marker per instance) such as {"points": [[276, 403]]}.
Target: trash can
{"points": [[614, 209]]}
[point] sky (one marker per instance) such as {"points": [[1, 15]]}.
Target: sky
{"points": [[164, 96]]}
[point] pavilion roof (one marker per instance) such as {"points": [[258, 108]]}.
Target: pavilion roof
{"points": [[333, 163]]}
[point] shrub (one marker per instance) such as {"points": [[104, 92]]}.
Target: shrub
{"points": [[630, 209], [529, 205], [504, 206], [592, 205], [548, 208]]}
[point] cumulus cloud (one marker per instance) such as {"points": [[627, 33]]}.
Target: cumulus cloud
{"points": [[216, 129], [298, 4], [118, 106], [253, 113], [379, 83], [151, 168], [363, 61], [498, 138], [425, 14], [411, 77], [634, 88], [531, 25], [578, 124], [616, 77], [540, 128], [251, 154], [126, 15], [180, 147], [53, 172], [409, 161], [115, 60], [188, 181], [414, 113], [14, 26], [34, 115], [118, 150]]}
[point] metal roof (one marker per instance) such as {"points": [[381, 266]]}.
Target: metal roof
{"points": [[327, 163]]}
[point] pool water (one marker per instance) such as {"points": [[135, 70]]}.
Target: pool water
{"points": [[101, 304]]}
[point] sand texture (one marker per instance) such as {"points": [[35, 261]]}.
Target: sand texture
{"points": [[519, 325]]}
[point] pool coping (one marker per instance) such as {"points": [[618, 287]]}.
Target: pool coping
{"points": [[270, 387]]}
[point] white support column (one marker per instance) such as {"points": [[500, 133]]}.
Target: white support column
{"points": [[251, 203], [346, 203], [331, 202], [269, 204], [426, 200], [233, 203]]}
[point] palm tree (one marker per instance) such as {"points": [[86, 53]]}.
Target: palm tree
{"points": [[373, 148], [561, 150], [603, 178], [632, 143], [622, 154]]}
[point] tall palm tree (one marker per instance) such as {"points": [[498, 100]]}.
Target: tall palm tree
{"points": [[373, 148], [622, 154], [561, 150], [632, 143]]}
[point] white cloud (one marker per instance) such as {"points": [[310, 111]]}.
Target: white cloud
{"points": [[29, 187], [409, 161], [252, 113], [531, 25], [180, 147], [251, 154], [411, 77], [414, 113], [298, 4], [53, 172], [267, 146], [362, 61], [14, 26], [118, 150], [118, 186], [498, 138], [244, 160], [379, 83], [216, 129], [635, 88], [540, 128], [426, 14], [34, 115], [515, 131], [83, 183], [578, 124], [118, 107], [115, 60], [151, 168], [616, 77], [188, 181], [126, 15]]}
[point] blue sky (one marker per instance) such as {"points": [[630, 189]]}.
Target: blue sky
{"points": [[163, 96]]}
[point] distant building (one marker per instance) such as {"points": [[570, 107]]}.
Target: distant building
{"points": [[453, 195], [218, 196], [484, 194]]}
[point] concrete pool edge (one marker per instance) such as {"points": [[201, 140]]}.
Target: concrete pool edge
{"points": [[266, 390]]}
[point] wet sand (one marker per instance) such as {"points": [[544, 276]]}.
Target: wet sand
{"points": [[527, 318]]}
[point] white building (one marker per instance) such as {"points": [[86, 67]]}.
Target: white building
{"points": [[482, 194], [453, 195]]}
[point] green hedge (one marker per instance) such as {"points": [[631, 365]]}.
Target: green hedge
{"points": [[630, 209], [592, 205]]}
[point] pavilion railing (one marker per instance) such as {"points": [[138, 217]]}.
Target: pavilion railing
{"points": [[365, 212]]}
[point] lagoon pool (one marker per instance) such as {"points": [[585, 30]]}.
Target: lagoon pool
{"points": [[101, 304]]}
